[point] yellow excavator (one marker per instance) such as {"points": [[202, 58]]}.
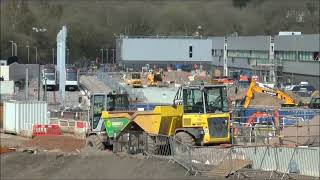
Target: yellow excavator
{"points": [[254, 88]]}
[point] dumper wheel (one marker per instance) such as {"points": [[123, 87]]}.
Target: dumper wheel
{"points": [[93, 142], [184, 140], [152, 146]]}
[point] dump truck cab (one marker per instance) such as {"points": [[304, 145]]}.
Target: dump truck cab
{"points": [[97, 136], [106, 102], [206, 117]]}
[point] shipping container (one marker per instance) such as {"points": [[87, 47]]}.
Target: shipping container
{"points": [[6, 87], [22, 115], [4, 72]]}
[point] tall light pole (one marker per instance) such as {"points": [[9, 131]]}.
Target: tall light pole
{"points": [[112, 55], [68, 51], [36, 54], [15, 49], [28, 52], [11, 48], [36, 29], [53, 56], [101, 56], [107, 55]]}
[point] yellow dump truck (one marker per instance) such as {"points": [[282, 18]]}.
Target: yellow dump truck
{"points": [[198, 116], [155, 78], [136, 80]]}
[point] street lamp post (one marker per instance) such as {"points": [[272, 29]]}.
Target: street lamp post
{"points": [[101, 56], [28, 52], [112, 55], [53, 56], [68, 56], [11, 48], [41, 30], [15, 49], [107, 55], [36, 54]]}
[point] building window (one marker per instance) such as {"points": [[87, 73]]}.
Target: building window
{"points": [[216, 52], [306, 56], [316, 56], [285, 55], [260, 54], [190, 51]]}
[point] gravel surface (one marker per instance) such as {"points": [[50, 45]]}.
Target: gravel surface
{"points": [[8, 140], [19, 165], [94, 84]]}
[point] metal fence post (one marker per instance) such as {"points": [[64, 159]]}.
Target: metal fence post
{"points": [[288, 167], [189, 158], [297, 128], [232, 133], [230, 160], [115, 144], [146, 144]]}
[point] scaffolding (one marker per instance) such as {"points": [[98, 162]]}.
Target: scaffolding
{"points": [[268, 72]]}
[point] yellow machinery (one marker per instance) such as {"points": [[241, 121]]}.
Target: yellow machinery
{"points": [[254, 88], [199, 116], [154, 78], [136, 80]]}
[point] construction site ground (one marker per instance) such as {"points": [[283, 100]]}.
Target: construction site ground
{"points": [[65, 157]]}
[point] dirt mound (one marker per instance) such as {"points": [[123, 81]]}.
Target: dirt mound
{"points": [[95, 166], [258, 100], [177, 76], [241, 93], [265, 100], [308, 134], [63, 143], [5, 150]]}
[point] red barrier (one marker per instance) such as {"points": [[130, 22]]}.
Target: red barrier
{"points": [[81, 124], [46, 130]]}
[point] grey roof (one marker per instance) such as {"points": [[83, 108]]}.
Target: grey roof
{"points": [[258, 43], [307, 42]]}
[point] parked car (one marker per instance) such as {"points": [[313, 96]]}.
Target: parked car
{"points": [[303, 90]]}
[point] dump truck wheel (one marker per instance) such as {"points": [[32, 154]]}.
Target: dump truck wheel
{"points": [[93, 142], [152, 146], [184, 139]]}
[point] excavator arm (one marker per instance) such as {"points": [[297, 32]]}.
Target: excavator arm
{"points": [[249, 94], [254, 88]]}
